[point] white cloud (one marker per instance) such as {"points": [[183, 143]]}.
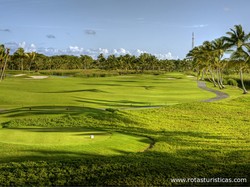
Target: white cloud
{"points": [[22, 44], [14, 46], [104, 51], [120, 51], [165, 56], [77, 51], [31, 48], [227, 9], [200, 26], [138, 52], [194, 26]]}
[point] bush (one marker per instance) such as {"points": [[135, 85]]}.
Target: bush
{"points": [[225, 81], [112, 110], [232, 82]]}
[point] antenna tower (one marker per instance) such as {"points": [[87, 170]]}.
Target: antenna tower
{"points": [[192, 40]]}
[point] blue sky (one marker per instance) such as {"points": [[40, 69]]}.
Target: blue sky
{"points": [[160, 27]]}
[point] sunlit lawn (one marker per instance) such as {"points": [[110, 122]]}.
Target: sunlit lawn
{"points": [[191, 139]]}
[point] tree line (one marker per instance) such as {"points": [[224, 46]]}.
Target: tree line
{"points": [[21, 60], [209, 58]]}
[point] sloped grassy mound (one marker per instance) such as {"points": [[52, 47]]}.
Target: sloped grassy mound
{"points": [[24, 143]]}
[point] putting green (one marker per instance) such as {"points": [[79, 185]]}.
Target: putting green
{"points": [[52, 136], [32, 143]]}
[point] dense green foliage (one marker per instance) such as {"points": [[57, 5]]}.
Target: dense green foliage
{"points": [[34, 61]]}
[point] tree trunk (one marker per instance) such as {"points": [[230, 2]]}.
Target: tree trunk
{"points": [[202, 75], [212, 76], [221, 79], [4, 67], [209, 77], [242, 82], [22, 64], [30, 65], [218, 79]]}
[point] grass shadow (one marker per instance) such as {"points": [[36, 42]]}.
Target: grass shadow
{"points": [[75, 91], [109, 103], [49, 110]]}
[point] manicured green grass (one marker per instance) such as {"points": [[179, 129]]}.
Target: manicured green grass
{"points": [[191, 139], [20, 97], [21, 144], [104, 92]]}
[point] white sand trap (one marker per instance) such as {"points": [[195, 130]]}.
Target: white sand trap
{"points": [[190, 76], [171, 78], [38, 77], [19, 75]]}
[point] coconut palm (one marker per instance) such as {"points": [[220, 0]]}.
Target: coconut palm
{"points": [[219, 47], [242, 59], [238, 39], [31, 57], [201, 56], [20, 54], [4, 56]]}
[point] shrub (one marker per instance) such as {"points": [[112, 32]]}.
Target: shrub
{"points": [[232, 82], [112, 110], [225, 81]]}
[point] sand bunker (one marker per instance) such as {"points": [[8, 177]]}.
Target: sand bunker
{"points": [[171, 78], [38, 77], [19, 75]]}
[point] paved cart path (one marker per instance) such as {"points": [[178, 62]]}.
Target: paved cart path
{"points": [[219, 95]]}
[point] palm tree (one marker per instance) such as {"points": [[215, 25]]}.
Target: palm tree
{"points": [[4, 56], [237, 38], [31, 57], [20, 54], [219, 47], [242, 59], [202, 60], [86, 61]]}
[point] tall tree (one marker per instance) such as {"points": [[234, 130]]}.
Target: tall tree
{"points": [[242, 59], [219, 47], [4, 56], [20, 54], [31, 57], [86, 61], [238, 39]]}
